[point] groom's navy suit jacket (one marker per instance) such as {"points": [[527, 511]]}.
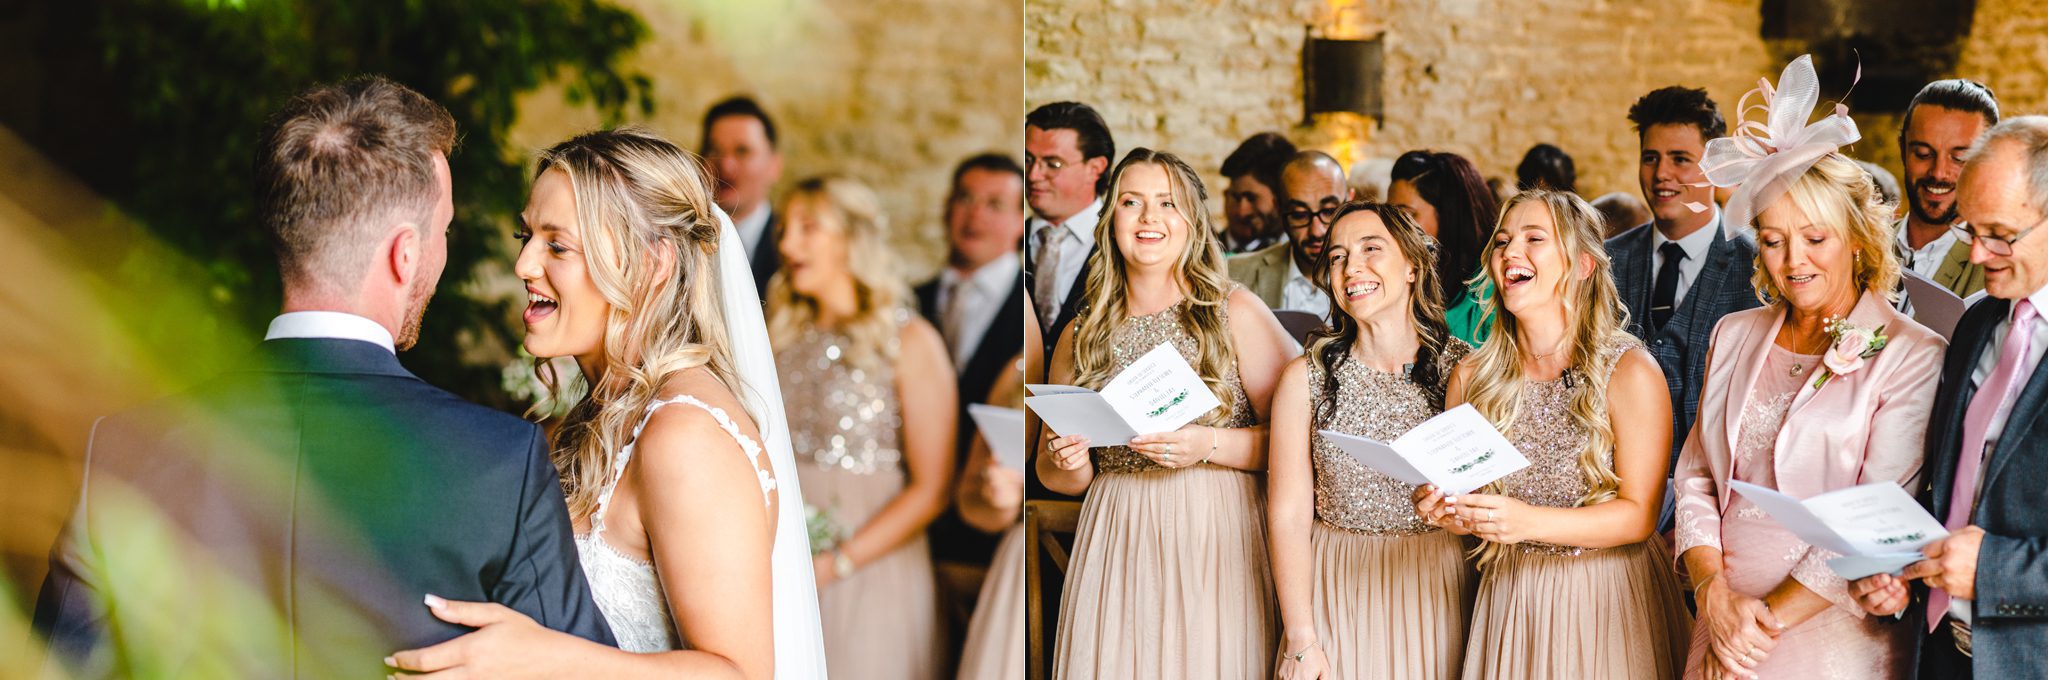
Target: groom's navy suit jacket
{"points": [[285, 520]]}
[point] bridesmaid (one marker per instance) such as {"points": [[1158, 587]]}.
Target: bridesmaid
{"points": [[1169, 576], [1769, 605], [873, 393], [992, 500], [1571, 586], [1445, 195], [1367, 590]]}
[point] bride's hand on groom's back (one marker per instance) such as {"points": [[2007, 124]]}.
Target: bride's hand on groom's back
{"points": [[505, 644]]}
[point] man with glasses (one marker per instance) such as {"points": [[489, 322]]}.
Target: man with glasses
{"points": [[1943, 120], [1978, 603], [1067, 151], [1311, 187]]}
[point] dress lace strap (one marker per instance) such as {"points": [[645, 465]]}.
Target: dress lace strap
{"points": [[725, 422]]}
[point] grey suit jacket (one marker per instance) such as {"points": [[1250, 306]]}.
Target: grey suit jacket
{"points": [[2010, 615], [1681, 345], [1264, 271]]}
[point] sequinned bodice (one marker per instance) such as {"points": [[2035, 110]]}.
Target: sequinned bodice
{"points": [[1545, 434], [841, 416], [1377, 405], [1138, 335]]}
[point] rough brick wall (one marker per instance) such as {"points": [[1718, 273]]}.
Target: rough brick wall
{"points": [[892, 92], [2008, 50], [1484, 78]]}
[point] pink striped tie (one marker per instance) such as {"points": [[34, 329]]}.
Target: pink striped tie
{"points": [[2000, 386]]}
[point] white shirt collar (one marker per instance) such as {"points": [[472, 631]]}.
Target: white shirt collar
{"points": [[753, 228], [2040, 298], [1080, 224], [1695, 244], [340, 325], [996, 276], [1940, 244]]}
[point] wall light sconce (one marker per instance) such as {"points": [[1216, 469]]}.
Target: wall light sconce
{"points": [[1341, 75]]}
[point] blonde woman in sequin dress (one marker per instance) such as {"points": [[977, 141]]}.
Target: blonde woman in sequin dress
{"points": [[1168, 577], [1769, 604], [1572, 582], [870, 395], [1367, 590]]}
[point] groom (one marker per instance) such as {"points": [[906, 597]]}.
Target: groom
{"points": [[287, 518]]}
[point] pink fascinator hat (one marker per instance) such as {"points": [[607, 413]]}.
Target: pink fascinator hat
{"points": [[1761, 159]]}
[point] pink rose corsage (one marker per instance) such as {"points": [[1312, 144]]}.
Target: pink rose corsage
{"points": [[1852, 344]]}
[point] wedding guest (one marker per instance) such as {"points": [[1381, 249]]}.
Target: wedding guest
{"points": [[1366, 589], [1312, 186], [1251, 202], [1825, 387], [875, 391], [319, 466], [991, 498], [1975, 608], [1622, 210], [1943, 120], [1887, 185], [1445, 195], [977, 302], [1168, 577], [1067, 152], [1546, 167], [739, 149], [1369, 179], [1572, 584], [1680, 272]]}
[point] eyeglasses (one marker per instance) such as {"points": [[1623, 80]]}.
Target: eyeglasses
{"points": [[2001, 247], [1052, 165], [1299, 217]]}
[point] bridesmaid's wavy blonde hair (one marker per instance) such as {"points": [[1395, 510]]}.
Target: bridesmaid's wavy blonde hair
{"points": [[878, 293], [650, 242], [1595, 319], [1199, 271]]}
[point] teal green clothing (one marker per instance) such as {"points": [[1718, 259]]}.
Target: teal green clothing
{"points": [[1467, 317]]}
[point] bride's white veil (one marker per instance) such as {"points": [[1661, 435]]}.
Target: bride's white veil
{"points": [[799, 637]]}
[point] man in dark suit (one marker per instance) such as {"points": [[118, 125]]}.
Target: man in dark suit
{"points": [[287, 518], [1067, 154], [978, 304], [1679, 273], [740, 154], [1979, 603]]}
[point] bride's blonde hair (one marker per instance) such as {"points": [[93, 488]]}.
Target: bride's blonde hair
{"points": [[650, 243], [1594, 321]]}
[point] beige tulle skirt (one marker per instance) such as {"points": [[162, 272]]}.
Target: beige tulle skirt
{"points": [[1613, 613], [995, 637], [1169, 579], [1391, 606], [883, 621]]}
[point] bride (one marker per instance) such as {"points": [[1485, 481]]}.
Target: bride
{"points": [[690, 531]]}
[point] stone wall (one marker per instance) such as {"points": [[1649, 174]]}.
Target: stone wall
{"points": [[892, 92], [1483, 78]]}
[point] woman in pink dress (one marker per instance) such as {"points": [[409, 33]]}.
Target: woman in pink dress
{"points": [[1825, 387]]}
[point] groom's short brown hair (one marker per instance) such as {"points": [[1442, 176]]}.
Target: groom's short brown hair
{"points": [[339, 164]]}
